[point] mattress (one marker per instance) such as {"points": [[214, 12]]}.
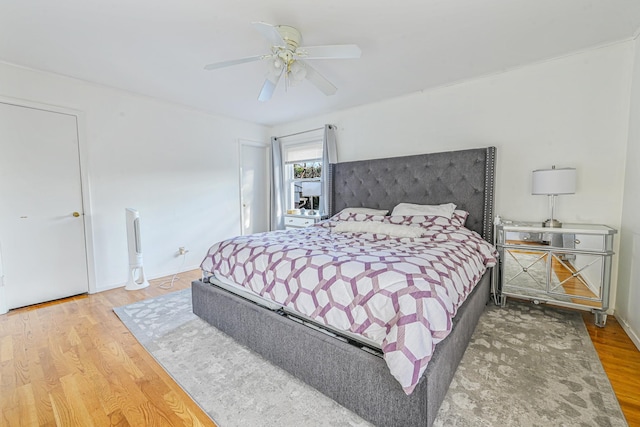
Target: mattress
{"points": [[398, 283]]}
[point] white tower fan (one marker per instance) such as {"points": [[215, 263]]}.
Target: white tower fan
{"points": [[136, 272]]}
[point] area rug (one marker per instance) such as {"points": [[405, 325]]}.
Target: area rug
{"points": [[526, 365]]}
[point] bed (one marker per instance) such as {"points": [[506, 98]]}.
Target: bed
{"points": [[345, 368]]}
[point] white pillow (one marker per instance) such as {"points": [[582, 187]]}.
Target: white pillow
{"points": [[368, 211], [392, 230], [408, 209]]}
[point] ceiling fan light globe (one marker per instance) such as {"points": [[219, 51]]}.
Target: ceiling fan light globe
{"points": [[274, 69], [302, 74], [298, 72]]}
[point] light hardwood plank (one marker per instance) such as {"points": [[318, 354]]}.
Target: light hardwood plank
{"points": [[27, 405], [72, 362], [621, 361]]}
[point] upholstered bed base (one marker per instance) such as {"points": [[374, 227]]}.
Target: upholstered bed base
{"points": [[358, 380]]}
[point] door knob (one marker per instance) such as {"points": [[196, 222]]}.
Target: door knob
{"points": [[76, 214]]}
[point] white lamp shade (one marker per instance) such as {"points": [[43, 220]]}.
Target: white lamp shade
{"points": [[554, 181], [311, 188]]}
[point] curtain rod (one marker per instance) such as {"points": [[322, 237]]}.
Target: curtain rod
{"points": [[300, 133]]}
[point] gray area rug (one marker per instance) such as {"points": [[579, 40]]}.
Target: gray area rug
{"points": [[525, 366]]}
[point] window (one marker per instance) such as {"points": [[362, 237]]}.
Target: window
{"points": [[303, 175]]}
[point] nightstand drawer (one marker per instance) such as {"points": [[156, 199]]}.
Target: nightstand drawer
{"points": [[298, 222], [528, 237]]}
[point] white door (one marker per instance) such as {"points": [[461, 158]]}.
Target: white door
{"points": [[41, 218], [254, 187]]}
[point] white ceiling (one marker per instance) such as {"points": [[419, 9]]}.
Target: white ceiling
{"points": [[159, 47]]}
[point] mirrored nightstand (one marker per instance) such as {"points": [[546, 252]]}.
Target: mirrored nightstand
{"points": [[568, 266]]}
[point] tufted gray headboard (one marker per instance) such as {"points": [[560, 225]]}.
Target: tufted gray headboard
{"points": [[464, 177]]}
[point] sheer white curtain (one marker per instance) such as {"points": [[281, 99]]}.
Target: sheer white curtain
{"points": [[329, 158], [277, 185]]}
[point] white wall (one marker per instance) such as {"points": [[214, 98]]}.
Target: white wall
{"points": [[177, 166], [628, 299], [571, 111]]}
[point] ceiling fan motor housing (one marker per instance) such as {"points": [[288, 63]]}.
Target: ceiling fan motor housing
{"points": [[291, 37]]}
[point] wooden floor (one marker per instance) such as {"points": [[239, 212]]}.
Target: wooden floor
{"points": [[621, 361], [73, 363]]}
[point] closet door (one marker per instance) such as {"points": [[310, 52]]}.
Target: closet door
{"points": [[254, 187], [42, 239]]}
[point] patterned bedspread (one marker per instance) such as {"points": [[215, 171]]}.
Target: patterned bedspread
{"points": [[401, 292]]}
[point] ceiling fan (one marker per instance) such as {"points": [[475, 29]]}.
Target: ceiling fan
{"points": [[287, 59]]}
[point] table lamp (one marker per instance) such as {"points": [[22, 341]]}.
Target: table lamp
{"points": [[311, 189], [553, 182]]}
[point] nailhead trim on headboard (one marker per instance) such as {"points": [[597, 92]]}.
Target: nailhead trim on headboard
{"points": [[489, 196]]}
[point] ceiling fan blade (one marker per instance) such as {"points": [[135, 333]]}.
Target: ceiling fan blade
{"points": [[268, 87], [319, 81], [223, 64], [336, 51], [270, 32]]}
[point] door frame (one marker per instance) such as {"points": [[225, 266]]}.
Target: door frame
{"points": [[259, 144], [85, 192]]}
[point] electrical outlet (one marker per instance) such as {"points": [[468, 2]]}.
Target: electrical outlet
{"points": [[182, 251]]}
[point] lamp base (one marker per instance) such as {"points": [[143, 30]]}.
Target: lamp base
{"points": [[552, 223]]}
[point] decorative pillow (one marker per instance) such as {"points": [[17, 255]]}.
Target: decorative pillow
{"points": [[409, 209], [418, 221], [355, 216], [429, 222], [378, 228], [459, 217], [368, 211]]}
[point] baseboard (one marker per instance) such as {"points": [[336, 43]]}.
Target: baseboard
{"points": [[168, 274], [629, 330], [109, 287]]}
